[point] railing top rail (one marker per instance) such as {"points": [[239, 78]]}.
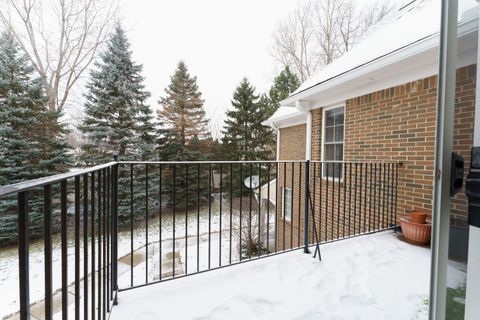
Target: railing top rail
{"points": [[358, 161], [40, 182], [211, 162]]}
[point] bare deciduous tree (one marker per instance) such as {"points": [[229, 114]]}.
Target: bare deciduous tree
{"points": [[319, 31], [62, 37]]}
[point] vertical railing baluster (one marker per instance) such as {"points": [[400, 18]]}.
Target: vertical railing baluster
{"points": [[375, 207], [231, 212], [396, 191], [131, 225], [350, 200], [332, 230], [314, 194], [115, 231], [365, 199], [355, 201], [146, 222], [320, 200], [107, 235], [383, 197], [292, 186], [277, 178], [198, 217], [360, 199], [77, 248], [259, 208], [23, 255], [64, 248], [47, 214], [268, 207], [306, 200], [174, 216], [284, 191], [389, 216], [160, 218], [220, 216], [209, 215], [250, 213], [370, 199], [92, 239], [344, 165], [241, 207], [327, 165], [338, 198], [85, 246], [99, 243], [104, 249], [186, 218], [299, 203]]}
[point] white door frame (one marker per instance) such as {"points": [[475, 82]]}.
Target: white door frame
{"points": [[472, 302]]}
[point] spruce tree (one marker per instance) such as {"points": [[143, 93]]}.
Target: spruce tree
{"points": [[31, 137], [283, 85], [118, 120], [244, 136]]}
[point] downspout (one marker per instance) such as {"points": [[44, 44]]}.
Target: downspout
{"points": [[308, 143], [277, 132]]}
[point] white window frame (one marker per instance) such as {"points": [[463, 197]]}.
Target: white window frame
{"points": [[324, 110], [284, 198]]}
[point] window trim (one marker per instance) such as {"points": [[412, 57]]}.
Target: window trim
{"points": [[322, 153], [284, 197]]}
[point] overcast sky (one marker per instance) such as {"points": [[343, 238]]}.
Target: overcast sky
{"points": [[220, 41]]}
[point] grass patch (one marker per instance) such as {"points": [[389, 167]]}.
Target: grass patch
{"points": [[455, 303]]}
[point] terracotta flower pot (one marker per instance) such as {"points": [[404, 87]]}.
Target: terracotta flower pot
{"points": [[416, 233], [418, 217]]}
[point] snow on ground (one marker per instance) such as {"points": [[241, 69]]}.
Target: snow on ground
{"points": [[369, 277]]}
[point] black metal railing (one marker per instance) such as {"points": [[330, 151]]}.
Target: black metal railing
{"points": [[138, 223]]}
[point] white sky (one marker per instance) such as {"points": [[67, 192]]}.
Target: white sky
{"points": [[221, 41]]}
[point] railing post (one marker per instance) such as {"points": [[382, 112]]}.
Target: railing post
{"points": [[23, 256], [306, 202], [115, 230]]}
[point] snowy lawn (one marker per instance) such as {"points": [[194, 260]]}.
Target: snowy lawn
{"points": [[370, 277]]}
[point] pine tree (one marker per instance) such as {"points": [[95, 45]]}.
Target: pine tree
{"points": [[283, 85], [32, 143], [182, 107], [118, 120]]}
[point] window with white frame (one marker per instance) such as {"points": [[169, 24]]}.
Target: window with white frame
{"points": [[333, 135], [287, 204]]}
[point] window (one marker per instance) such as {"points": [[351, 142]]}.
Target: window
{"points": [[287, 204], [333, 132]]}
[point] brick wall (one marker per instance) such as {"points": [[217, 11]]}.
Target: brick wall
{"points": [[393, 124]]}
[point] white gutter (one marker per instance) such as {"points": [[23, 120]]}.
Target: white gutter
{"points": [[277, 131], [308, 143]]}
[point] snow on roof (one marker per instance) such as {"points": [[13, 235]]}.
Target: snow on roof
{"points": [[416, 21], [284, 114], [359, 278]]}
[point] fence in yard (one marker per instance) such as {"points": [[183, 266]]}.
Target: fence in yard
{"points": [[138, 223]]}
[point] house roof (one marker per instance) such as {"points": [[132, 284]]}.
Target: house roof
{"points": [[396, 52]]}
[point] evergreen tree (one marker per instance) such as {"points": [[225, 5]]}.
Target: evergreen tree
{"points": [[182, 107], [118, 121], [31, 137], [183, 136], [283, 85], [244, 136]]}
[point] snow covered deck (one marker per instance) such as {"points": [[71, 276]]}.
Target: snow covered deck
{"points": [[369, 277]]}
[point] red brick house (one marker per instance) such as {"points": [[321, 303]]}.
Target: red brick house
{"points": [[377, 104]]}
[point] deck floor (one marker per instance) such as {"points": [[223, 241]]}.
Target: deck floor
{"points": [[369, 277]]}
